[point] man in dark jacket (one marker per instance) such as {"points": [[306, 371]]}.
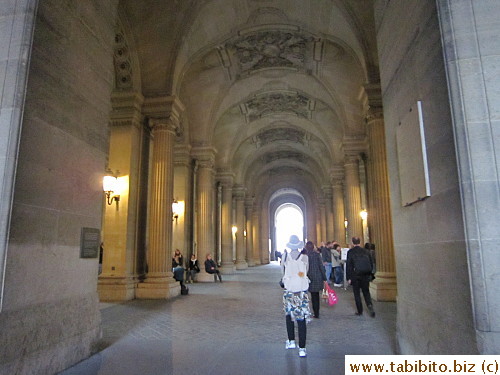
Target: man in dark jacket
{"points": [[326, 255], [316, 274], [359, 274]]}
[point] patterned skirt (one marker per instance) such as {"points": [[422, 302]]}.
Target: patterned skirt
{"points": [[297, 305]]}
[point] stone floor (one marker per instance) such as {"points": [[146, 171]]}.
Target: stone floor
{"points": [[234, 327]]}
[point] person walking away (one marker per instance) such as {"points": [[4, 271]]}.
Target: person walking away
{"points": [[326, 255], [338, 271], [211, 268], [295, 265], [192, 269], [359, 274], [316, 274]]}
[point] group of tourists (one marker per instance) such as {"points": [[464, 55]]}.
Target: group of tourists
{"points": [[192, 267], [306, 271]]}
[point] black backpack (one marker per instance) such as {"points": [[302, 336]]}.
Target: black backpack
{"points": [[362, 264]]}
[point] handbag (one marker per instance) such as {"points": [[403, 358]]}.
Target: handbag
{"points": [[332, 296], [324, 295]]}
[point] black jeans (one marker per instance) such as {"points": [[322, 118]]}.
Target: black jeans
{"points": [[315, 303], [290, 330], [362, 283]]}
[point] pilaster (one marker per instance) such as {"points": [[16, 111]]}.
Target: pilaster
{"points": [[118, 279], [205, 194], [327, 192], [226, 183], [249, 229], [339, 233], [384, 287], [353, 196], [239, 196]]}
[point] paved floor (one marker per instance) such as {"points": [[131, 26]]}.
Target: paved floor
{"points": [[234, 327]]}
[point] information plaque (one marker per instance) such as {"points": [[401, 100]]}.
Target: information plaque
{"points": [[90, 242]]}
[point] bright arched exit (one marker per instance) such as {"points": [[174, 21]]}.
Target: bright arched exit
{"points": [[288, 220]]}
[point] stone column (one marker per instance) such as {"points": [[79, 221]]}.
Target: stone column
{"points": [[256, 237], [181, 235], [322, 213], [159, 282], [353, 197], [226, 181], [384, 287], [327, 190], [249, 229], [264, 235], [205, 207], [241, 252], [118, 279], [339, 233], [470, 42]]}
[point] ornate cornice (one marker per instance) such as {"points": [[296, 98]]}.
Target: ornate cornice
{"points": [[126, 108]]}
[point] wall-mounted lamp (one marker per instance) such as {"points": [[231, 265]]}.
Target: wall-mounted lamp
{"points": [[234, 229], [345, 223], [363, 214], [110, 186], [177, 209]]}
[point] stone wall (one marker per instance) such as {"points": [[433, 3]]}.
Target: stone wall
{"points": [[434, 301], [50, 318]]}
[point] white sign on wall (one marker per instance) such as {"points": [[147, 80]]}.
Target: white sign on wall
{"points": [[412, 157]]}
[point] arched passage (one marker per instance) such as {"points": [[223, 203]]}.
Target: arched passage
{"points": [[288, 220]]}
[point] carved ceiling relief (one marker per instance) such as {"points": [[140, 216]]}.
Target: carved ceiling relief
{"points": [[289, 155], [278, 102], [271, 49], [123, 66], [281, 134]]}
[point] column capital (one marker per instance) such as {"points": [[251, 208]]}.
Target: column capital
{"points": [[225, 177], [182, 154], [239, 192], [327, 191], [351, 158], [249, 203], [337, 173], [126, 108], [204, 155], [354, 145], [164, 110]]}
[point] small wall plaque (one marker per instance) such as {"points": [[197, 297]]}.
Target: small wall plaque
{"points": [[412, 157], [90, 241]]}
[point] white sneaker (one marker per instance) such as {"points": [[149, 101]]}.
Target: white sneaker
{"points": [[290, 344], [302, 352], [337, 285]]}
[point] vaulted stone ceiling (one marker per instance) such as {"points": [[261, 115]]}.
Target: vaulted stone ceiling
{"points": [[275, 86]]}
